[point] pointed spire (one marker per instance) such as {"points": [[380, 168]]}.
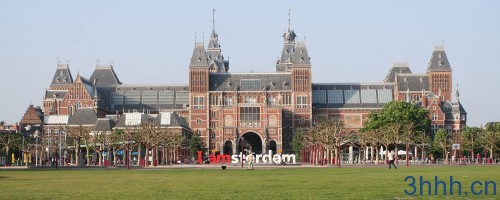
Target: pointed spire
{"points": [[289, 11], [213, 21], [457, 94]]}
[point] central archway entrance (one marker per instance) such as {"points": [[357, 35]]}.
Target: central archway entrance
{"points": [[252, 142]]}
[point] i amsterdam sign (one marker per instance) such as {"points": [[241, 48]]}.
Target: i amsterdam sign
{"points": [[259, 158]]}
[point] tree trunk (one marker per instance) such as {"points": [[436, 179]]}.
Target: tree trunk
{"points": [[139, 155], [491, 152], [100, 157], [146, 156], [446, 156], [87, 149], [377, 154], [77, 152], [114, 157]]}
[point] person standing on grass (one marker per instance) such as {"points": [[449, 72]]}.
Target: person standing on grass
{"points": [[250, 161], [391, 159]]}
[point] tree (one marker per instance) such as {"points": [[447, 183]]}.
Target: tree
{"points": [[442, 140], [78, 133], [471, 137], [196, 144], [423, 138], [297, 142], [490, 139], [393, 117], [9, 140], [326, 135], [116, 142]]}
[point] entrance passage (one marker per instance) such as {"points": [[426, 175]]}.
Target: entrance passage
{"points": [[228, 148], [272, 146], [252, 142]]}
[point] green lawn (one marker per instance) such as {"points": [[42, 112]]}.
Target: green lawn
{"points": [[271, 183]]}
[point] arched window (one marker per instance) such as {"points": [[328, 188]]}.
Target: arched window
{"points": [[78, 105]]}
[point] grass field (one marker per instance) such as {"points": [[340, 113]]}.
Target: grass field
{"points": [[269, 183]]}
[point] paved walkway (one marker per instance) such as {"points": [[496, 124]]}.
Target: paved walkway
{"points": [[237, 166]]}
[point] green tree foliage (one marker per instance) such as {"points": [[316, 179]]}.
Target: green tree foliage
{"points": [[442, 140], [9, 141], [298, 141], [402, 113], [196, 144], [471, 137], [490, 139]]}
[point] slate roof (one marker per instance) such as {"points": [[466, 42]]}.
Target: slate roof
{"points": [[175, 120], [395, 69], [439, 61], [123, 118], [62, 76], [55, 94], [228, 81], [300, 57], [104, 76], [199, 57], [83, 116], [104, 124], [412, 82]]}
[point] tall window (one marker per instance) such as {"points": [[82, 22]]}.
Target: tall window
{"points": [[228, 100], [250, 114], [250, 99], [70, 110], [272, 101], [56, 132], [287, 99], [434, 117], [301, 102], [214, 100], [49, 132], [198, 103]]}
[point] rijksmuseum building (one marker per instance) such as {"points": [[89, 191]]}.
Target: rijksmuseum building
{"points": [[224, 107]]}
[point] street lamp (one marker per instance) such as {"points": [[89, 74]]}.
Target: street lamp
{"points": [[36, 147], [242, 144]]}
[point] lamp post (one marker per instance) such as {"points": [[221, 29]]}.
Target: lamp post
{"points": [[56, 160], [242, 141], [36, 148]]}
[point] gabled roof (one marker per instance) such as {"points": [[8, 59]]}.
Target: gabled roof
{"points": [[104, 76], [62, 76], [199, 57], [33, 115], [395, 69], [412, 82], [439, 61], [83, 116]]}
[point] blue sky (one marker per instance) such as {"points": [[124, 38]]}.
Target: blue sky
{"points": [[152, 42]]}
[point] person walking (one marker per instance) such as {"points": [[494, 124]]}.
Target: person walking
{"points": [[250, 161], [391, 159]]}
